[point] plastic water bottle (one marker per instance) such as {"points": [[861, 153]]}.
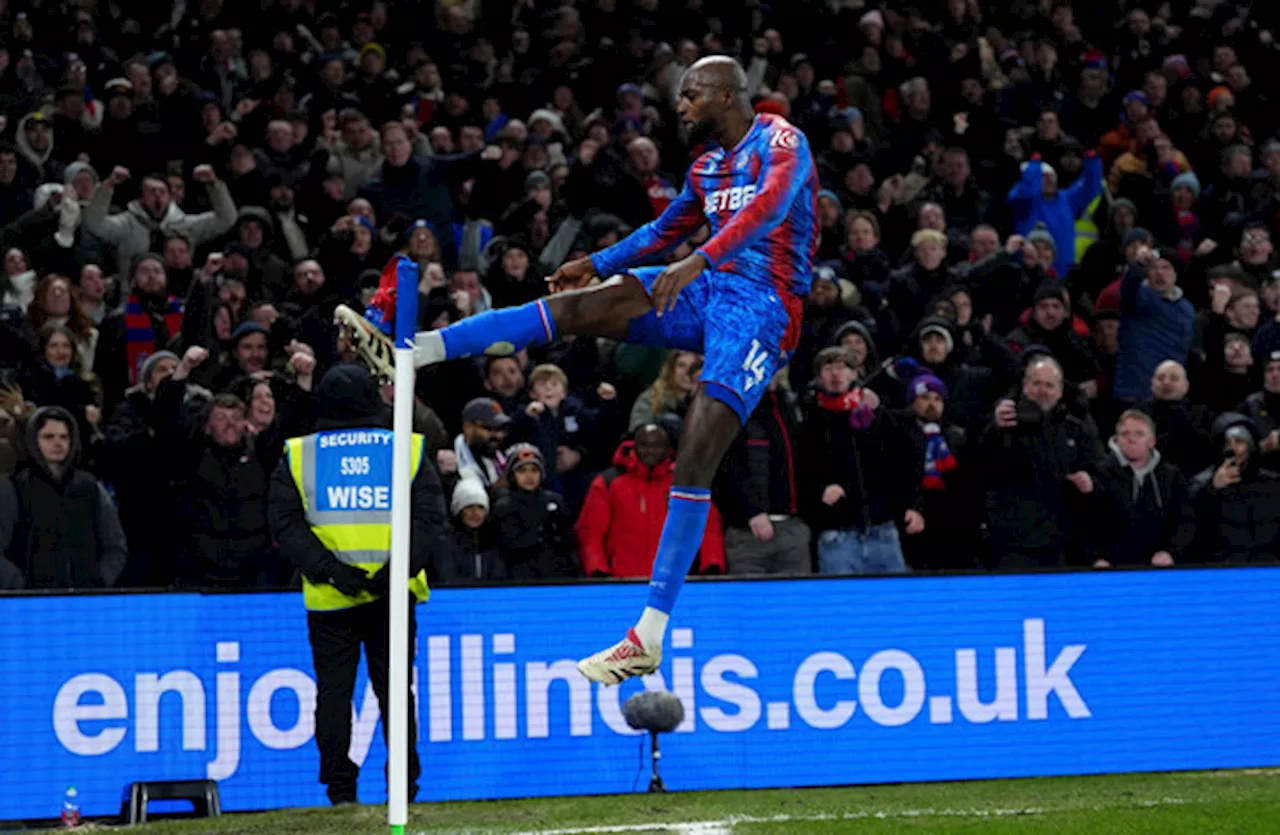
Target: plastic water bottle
{"points": [[71, 808]]}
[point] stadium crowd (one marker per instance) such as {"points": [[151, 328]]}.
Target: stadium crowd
{"points": [[1043, 331]]}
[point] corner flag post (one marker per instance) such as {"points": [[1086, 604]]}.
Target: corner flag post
{"points": [[396, 713]]}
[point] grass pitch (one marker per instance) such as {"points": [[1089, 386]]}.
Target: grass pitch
{"points": [[1200, 803]]}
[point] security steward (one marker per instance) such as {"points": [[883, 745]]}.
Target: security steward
{"points": [[330, 510]]}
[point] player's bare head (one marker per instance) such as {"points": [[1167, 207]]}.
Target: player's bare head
{"points": [[711, 88]]}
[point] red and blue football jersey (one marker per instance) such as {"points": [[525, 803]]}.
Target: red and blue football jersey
{"points": [[760, 199]]}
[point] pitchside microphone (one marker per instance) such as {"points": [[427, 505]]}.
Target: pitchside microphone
{"points": [[657, 712]]}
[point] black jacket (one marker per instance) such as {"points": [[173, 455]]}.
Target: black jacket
{"points": [[1238, 523], [58, 532], [1030, 504], [346, 400], [535, 534], [759, 473], [1002, 287], [461, 555], [1135, 520], [219, 500], [971, 390], [878, 467], [422, 188], [1264, 408], [130, 458], [1182, 433], [1068, 347]]}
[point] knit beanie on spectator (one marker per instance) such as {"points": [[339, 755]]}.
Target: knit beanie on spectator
{"points": [[828, 194], [518, 454], [75, 168], [1124, 203], [1042, 235], [1051, 290], [1188, 180], [149, 367], [860, 328], [1136, 235], [244, 329], [1236, 425], [141, 258], [348, 396], [1170, 254], [468, 492], [926, 383], [938, 325]]}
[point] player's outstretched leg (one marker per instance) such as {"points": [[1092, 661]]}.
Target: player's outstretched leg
{"points": [[603, 310], [710, 428]]}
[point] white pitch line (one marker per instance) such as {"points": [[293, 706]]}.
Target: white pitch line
{"points": [[726, 826]]}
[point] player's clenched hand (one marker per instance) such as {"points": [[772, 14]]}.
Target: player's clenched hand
{"points": [[572, 275], [674, 279]]}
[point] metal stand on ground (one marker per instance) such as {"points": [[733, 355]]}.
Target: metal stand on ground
{"points": [[657, 712], [655, 783]]}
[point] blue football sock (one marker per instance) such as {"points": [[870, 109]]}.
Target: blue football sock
{"points": [[513, 328], [687, 511]]}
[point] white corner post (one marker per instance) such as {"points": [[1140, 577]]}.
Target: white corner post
{"points": [[396, 714]]}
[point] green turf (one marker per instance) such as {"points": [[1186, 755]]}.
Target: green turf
{"points": [[1238, 802]]}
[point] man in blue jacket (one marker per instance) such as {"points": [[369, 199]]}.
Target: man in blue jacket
{"points": [[1036, 200], [1156, 322]]}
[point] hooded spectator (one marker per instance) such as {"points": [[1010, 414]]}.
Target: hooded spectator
{"points": [[58, 527], [1231, 515], [35, 142]]}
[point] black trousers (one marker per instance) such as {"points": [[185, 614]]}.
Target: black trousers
{"points": [[336, 638]]}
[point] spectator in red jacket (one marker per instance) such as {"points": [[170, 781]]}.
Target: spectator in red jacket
{"points": [[626, 507]]}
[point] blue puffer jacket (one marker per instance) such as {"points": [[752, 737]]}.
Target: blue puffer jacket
{"points": [[1029, 207], [1153, 329]]}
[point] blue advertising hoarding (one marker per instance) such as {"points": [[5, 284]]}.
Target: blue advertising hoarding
{"points": [[785, 683]]}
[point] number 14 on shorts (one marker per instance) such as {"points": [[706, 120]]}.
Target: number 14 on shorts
{"points": [[754, 364]]}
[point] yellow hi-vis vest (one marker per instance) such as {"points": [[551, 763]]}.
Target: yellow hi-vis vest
{"points": [[1087, 228], [344, 478]]}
